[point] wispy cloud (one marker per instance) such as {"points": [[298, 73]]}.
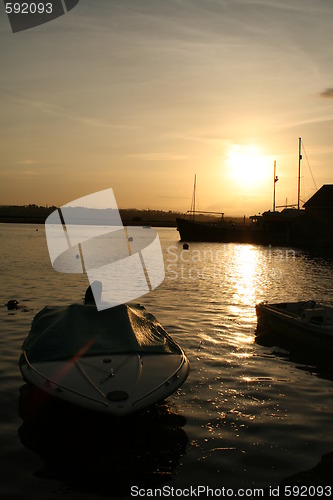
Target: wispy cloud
{"points": [[56, 110], [31, 161], [172, 197], [327, 93], [296, 5], [309, 121], [27, 162], [208, 138], [160, 156]]}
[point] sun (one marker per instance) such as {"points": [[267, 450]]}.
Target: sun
{"points": [[247, 166]]}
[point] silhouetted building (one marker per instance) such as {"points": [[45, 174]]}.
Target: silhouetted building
{"points": [[321, 203]]}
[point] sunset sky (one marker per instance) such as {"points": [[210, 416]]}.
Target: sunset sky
{"points": [[141, 95]]}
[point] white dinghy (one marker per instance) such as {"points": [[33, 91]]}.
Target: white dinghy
{"points": [[306, 323], [117, 361]]}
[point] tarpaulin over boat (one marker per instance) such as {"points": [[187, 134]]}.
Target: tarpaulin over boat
{"points": [[59, 333]]}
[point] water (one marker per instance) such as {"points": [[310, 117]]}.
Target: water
{"points": [[248, 415]]}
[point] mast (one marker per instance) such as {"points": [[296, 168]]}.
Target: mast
{"points": [[299, 172], [194, 188], [192, 211], [275, 181]]}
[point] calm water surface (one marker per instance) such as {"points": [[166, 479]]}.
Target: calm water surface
{"points": [[248, 415]]}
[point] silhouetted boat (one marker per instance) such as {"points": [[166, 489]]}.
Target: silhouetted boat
{"points": [[270, 228], [306, 323], [117, 361]]}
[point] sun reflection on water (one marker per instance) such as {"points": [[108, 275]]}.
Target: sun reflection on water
{"points": [[245, 271]]}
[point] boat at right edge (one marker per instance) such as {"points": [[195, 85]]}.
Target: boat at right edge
{"points": [[307, 324]]}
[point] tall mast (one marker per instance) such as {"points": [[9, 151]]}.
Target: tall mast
{"points": [[299, 172], [194, 188], [275, 181]]}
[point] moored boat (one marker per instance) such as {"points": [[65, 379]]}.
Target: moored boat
{"points": [[116, 361], [306, 323], [270, 228]]}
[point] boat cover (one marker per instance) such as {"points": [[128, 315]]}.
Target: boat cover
{"points": [[60, 333]]}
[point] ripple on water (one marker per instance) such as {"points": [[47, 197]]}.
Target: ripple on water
{"points": [[253, 414]]}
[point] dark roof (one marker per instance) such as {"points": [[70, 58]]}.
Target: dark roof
{"points": [[323, 198]]}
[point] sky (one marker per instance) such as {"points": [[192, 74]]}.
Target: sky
{"points": [[141, 95]]}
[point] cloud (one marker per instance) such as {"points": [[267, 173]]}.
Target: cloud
{"points": [[308, 121], [327, 93], [59, 111], [160, 156], [36, 162], [27, 162], [208, 138]]}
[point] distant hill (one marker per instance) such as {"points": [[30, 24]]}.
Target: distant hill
{"points": [[38, 214], [34, 214], [25, 213]]}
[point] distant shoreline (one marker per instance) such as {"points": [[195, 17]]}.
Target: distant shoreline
{"points": [[41, 220], [33, 214], [21, 220]]}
